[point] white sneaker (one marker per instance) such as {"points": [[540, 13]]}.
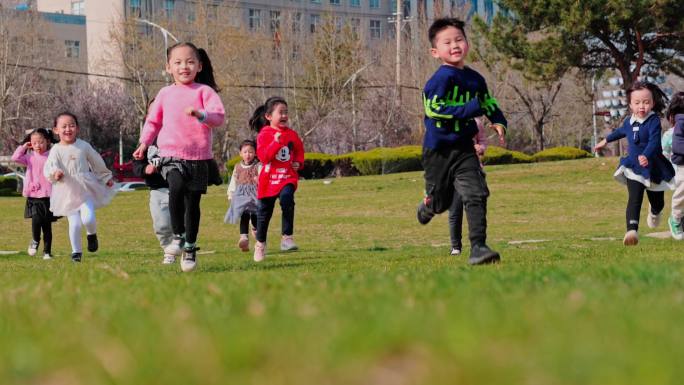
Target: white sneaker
{"points": [[653, 220], [259, 251], [243, 243], [33, 248], [174, 248], [188, 260], [47, 256], [631, 238], [169, 259], [288, 244]]}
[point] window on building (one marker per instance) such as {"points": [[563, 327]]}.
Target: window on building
{"points": [[169, 6], [315, 21], [316, 1], [78, 7], [355, 26], [135, 8], [297, 22], [355, 3], [254, 19], [275, 20], [334, 2], [338, 22], [212, 11], [375, 29], [73, 48], [374, 3]]}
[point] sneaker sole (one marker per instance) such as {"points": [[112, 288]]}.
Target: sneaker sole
{"points": [[294, 248], [485, 260], [188, 268]]}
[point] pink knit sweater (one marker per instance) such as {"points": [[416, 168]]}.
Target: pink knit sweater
{"points": [[35, 184], [180, 135]]}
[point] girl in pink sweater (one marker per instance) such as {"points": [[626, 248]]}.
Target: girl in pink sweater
{"points": [[33, 153], [181, 119]]}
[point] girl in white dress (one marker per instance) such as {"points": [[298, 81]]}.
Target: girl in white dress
{"points": [[80, 181]]}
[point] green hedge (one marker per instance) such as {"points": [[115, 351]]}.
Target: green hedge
{"points": [[560, 153], [387, 160], [499, 155], [8, 186]]}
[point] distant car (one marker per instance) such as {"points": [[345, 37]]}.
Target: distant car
{"points": [[130, 186]]}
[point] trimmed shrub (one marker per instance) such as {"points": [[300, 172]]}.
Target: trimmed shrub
{"points": [[344, 166], [8, 186], [317, 165], [230, 165], [387, 160], [499, 155], [560, 153]]}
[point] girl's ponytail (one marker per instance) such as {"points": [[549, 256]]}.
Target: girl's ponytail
{"points": [[206, 76], [258, 119]]}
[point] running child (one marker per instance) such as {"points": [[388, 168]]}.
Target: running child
{"points": [[242, 193]]}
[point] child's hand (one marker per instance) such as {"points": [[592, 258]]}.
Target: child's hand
{"points": [[110, 183], [501, 131], [27, 146], [599, 146], [479, 149], [643, 161], [139, 153], [276, 137], [193, 112], [295, 166], [57, 175], [150, 169]]}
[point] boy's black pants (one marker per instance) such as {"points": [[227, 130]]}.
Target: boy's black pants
{"points": [[458, 169]]}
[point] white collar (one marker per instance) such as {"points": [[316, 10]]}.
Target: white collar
{"points": [[633, 118]]}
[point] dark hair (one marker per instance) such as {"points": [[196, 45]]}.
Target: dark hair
{"points": [[64, 113], [258, 119], [248, 142], [441, 24], [658, 95], [676, 106], [44, 132], [206, 75]]}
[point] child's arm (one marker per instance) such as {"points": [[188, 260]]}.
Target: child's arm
{"points": [[678, 135], [493, 112], [20, 156], [53, 169], [298, 152], [213, 114], [268, 146], [440, 105], [653, 146], [232, 186], [153, 124], [98, 166]]}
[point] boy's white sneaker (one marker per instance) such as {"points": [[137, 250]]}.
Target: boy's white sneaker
{"points": [[675, 228], [653, 220], [188, 260], [47, 256], [259, 251], [243, 243], [169, 259], [287, 243], [33, 248], [174, 248], [631, 238]]}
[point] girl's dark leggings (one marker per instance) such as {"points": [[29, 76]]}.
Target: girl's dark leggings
{"points": [[244, 222], [40, 223], [635, 191], [265, 212], [184, 207]]}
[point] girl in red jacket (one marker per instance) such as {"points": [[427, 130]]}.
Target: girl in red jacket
{"points": [[281, 153]]}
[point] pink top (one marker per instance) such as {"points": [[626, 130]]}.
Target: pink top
{"points": [[178, 134], [35, 184]]}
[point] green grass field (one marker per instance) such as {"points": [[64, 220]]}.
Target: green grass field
{"points": [[371, 298]]}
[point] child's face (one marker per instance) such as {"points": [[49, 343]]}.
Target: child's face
{"points": [[451, 47], [67, 129], [247, 154], [183, 65], [278, 117], [38, 143], [641, 103]]}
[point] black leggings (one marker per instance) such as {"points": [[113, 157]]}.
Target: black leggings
{"points": [[636, 197], [38, 223], [184, 207], [265, 212], [244, 222]]}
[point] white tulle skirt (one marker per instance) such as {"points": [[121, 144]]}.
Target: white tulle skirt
{"points": [[72, 190]]}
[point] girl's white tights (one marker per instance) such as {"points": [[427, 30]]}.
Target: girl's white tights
{"points": [[84, 216]]}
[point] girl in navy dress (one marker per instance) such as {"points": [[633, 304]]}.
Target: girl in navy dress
{"points": [[644, 168]]}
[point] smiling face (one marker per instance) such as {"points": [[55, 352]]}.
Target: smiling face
{"points": [[183, 64], [450, 46], [67, 129], [38, 143], [641, 103], [247, 154], [278, 117]]}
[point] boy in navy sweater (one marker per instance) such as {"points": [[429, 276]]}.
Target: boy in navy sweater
{"points": [[452, 98]]}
